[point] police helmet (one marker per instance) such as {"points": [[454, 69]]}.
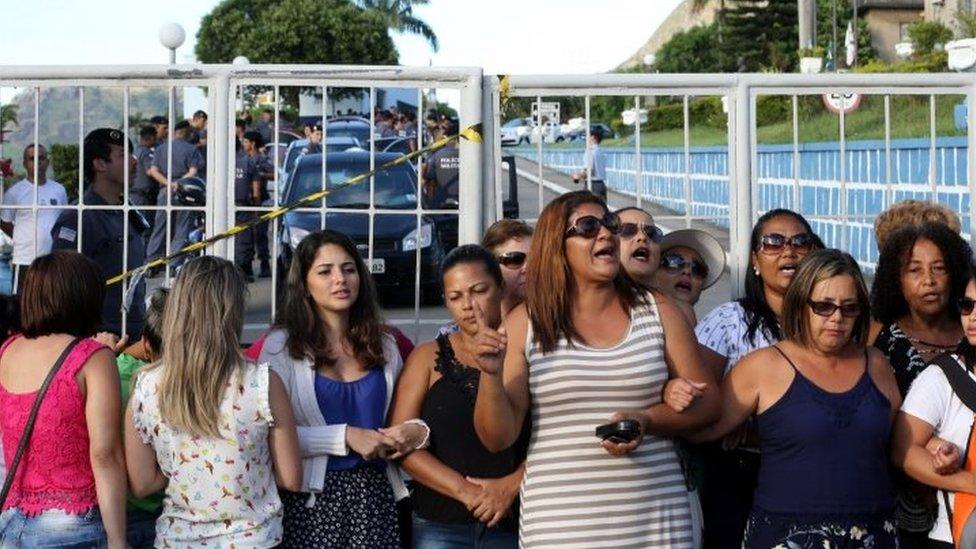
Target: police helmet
{"points": [[191, 191]]}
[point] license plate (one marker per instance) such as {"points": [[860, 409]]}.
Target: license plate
{"points": [[378, 266]]}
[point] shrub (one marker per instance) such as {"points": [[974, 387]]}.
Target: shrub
{"points": [[64, 162], [926, 34]]}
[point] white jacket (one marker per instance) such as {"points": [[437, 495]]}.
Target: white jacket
{"points": [[317, 439]]}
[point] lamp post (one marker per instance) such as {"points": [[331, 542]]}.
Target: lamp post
{"points": [[171, 36]]}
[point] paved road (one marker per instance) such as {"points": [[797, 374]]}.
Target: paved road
{"points": [[423, 325]]}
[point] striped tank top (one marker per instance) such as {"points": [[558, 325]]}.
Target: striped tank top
{"points": [[575, 494]]}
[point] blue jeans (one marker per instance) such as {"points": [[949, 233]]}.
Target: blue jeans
{"points": [[52, 529], [140, 528], [428, 534]]}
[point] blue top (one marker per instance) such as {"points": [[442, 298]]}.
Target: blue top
{"points": [[825, 453], [360, 403]]}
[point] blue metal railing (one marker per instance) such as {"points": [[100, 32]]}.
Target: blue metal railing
{"points": [[873, 178]]}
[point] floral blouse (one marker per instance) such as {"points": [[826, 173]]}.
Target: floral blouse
{"points": [[221, 492]]}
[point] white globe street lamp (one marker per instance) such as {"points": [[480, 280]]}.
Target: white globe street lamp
{"points": [[171, 36], [241, 60]]}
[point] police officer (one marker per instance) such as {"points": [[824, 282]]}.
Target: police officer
{"points": [[252, 142], [102, 234], [441, 174], [187, 162], [314, 139], [595, 166], [143, 191], [247, 192]]}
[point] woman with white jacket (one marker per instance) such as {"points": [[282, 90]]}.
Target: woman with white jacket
{"points": [[339, 367]]}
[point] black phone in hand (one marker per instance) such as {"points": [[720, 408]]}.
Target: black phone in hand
{"points": [[620, 432]]}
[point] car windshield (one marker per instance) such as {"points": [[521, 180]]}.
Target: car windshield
{"points": [[359, 131], [394, 188], [293, 154], [513, 123]]}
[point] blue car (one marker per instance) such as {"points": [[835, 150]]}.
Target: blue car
{"points": [[396, 237]]}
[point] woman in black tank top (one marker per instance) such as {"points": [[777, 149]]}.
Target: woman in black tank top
{"points": [[464, 495]]}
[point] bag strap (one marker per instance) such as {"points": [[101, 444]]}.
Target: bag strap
{"points": [[962, 385], [29, 427]]}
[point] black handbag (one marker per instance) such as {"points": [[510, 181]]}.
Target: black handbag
{"points": [[29, 427]]}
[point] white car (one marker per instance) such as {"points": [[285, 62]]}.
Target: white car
{"points": [[516, 131]]}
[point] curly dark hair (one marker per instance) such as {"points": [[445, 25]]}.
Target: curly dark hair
{"points": [[306, 331], [887, 301], [758, 314]]}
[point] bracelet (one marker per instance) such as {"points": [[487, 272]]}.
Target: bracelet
{"points": [[426, 442]]}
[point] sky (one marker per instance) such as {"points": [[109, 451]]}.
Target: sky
{"points": [[503, 36]]}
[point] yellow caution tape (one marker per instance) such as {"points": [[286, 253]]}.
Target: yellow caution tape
{"points": [[471, 133], [503, 85]]}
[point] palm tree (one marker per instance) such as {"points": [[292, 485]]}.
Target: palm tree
{"points": [[8, 116], [398, 16]]}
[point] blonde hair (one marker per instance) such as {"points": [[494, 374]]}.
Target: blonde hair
{"points": [[202, 325], [913, 212]]}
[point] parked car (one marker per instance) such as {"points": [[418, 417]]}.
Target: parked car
{"points": [[333, 143], [516, 131], [396, 237], [395, 144], [574, 132], [349, 126]]}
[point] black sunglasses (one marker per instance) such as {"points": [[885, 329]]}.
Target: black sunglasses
{"points": [[826, 308], [966, 305], [512, 260], [588, 226], [674, 262], [652, 232], [774, 243]]}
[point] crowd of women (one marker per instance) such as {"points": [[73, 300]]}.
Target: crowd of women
{"points": [[812, 412]]}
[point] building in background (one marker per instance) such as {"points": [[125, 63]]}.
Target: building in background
{"points": [[888, 22]]}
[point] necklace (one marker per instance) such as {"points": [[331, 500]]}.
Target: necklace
{"points": [[933, 348]]}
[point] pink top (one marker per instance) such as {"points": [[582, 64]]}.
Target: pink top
{"points": [[55, 472]]}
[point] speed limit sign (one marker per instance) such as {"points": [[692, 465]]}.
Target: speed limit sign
{"points": [[842, 102]]}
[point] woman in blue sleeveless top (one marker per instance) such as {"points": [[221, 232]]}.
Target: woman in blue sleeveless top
{"points": [[823, 404]]}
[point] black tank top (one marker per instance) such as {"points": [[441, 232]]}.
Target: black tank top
{"points": [[448, 409]]}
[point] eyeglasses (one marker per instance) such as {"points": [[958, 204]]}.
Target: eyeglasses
{"points": [[674, 262], [966, 305], [774, 243], [826, 308], [588, 226], [652, 232], [512, 260]]}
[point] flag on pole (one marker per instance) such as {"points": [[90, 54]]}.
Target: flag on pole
{"points": [[850, 45]]}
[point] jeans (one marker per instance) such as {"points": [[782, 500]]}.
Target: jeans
{"points": [[428, 534], [140, 528], [52, 529]]}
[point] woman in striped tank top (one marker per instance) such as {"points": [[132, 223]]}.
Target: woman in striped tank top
{"points": [[586, 349]]}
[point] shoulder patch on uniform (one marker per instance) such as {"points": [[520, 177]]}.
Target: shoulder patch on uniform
{"points": [[68, 234]]}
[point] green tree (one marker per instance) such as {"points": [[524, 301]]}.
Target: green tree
{"points": [[398, 16], [693, 50], [8, 117], [64, 162], [825, 30], [294, 32], [758, 35]]}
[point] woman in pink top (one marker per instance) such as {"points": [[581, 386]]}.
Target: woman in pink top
{"points": [[69, 488]]}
